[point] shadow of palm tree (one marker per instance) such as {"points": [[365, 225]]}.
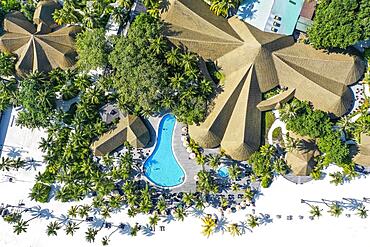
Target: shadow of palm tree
{"points": [[147, 230], [96, 222], [221, 225], [125, 228], [168, 219], [197, 212], [244, 227], [265, 219], [41, 212]]}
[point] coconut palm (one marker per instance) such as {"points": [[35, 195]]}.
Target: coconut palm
{"points": [[253, 221], [188, 199], [235, 187], [199, 203], [362, 211], [223, 7], [105, 212], [234, 171], [134, 230], [177, 81], [214, 160], [234, 229], [71, 228], [52, 228], [179, 213], [335, 209], [20, 226], [337, 178], [209, 224], [153, 220], [206, 87], [90, 234], [72, 211], [315, 211], [224, 203], [161, 205]]}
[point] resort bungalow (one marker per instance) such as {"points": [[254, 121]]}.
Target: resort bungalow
{"points": [[362, 151], [254, 62], [276, 16], [129, 128]]}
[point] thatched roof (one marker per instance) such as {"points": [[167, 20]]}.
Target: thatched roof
{"points": [[130, 128], [277, 100], [254, 62], [42, 48], [362, 151], [302, 159]]}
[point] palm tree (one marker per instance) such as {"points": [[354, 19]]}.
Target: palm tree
{"points": [[71, 228], [233, 229], [52, 228], [234, 171], [362, 212], [206, 87], [337, 178], [125, 4], [158, 45], [201, 160], [105, 241], [161, 205], [72, 212], [134, 230], [209, 224], [153, 220], [188, 60], [20, 226], [120, 15], [214, 160], [180, 213], [90, 234], [177, 81], [187, 199], [315, 211], [173, 57], [235, 187], [253, 221], [105, 212], [222, 7], [344, 123], [335, 209]]}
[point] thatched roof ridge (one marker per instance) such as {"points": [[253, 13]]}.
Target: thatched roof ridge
{"points": [[130, 128], [256, 63], [273, 102], [42, 48]]}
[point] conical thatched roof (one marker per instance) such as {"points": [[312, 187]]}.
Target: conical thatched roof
{"points": [[300, 162], [255, 62], [130, 128], [42, 48]]}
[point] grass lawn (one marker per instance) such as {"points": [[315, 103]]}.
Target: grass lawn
{"points": [[268, 119]]}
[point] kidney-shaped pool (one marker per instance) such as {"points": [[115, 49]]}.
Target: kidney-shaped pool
{"points": [[161, 167]]}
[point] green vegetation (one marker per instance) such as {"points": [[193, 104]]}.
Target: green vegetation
{"points": [[40, 192], [340, 23], [303, 120], [266, 164], [92, 49], [150, 75], [277, 134], [223, 7], [268, 119]]}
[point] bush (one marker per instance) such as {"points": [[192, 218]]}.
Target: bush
{"points": [[277, 133]]}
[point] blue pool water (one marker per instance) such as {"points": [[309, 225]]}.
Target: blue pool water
{"points": [[162, 167], [223, 171]]}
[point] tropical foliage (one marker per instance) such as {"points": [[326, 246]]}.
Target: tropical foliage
{"points": [[150, 75], [340, 23]]}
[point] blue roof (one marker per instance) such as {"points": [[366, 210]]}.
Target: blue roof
{"points": [[279, 16]]}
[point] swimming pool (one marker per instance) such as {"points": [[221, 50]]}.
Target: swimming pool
{"points": [[161, 167], [223, 171]]}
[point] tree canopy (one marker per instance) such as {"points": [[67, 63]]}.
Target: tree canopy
{"points": [[340, 23], [92, 49]]}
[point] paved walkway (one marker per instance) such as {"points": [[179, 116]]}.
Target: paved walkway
{"points": [[190, 166]]}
